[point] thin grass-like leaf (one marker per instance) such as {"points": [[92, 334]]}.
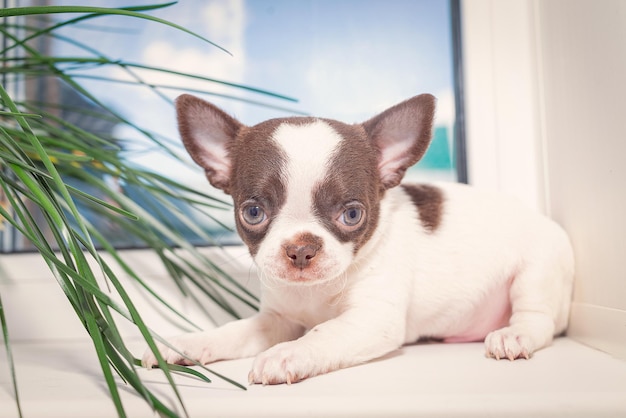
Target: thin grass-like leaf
{"points": [[13, 114], [104, 204], [9, 353], [198, 91], [37, 32], [92, 327], [80, 89], [102, 61], [99, 11], [181, 369]]}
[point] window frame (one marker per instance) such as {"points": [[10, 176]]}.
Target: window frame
{"points": [[505, 143]]}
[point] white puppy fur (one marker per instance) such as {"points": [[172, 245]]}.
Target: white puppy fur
{"points": [[354, 265]]}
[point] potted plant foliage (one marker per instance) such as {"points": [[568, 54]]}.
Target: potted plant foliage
{"points": [[54, 191]]}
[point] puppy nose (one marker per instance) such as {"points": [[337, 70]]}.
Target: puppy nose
{"points": [[301, 255]]}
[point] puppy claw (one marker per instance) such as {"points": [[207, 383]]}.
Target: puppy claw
{"points": [[285, 363], [509, 343]]}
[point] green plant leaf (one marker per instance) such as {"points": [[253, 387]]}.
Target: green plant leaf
{"points": [[100, 11], [7, 347]]}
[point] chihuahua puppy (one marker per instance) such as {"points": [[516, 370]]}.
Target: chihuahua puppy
{"points": [[354, 264]]}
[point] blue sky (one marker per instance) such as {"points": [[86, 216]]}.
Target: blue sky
{"points": [[343, 59], [349, 59]]}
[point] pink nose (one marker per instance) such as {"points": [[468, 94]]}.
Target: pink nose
{"points": [[301, 255]]}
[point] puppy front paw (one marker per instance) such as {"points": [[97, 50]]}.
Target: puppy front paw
{"points": [[508, 343], [193, 346], [288, 362]]}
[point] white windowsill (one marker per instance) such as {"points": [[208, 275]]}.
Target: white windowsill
{"points": [[565, 380], [59, 376]]}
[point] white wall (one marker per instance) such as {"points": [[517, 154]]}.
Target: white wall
{"points": [[583, 54], [546, 87]]}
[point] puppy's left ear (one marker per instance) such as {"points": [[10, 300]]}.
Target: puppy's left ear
{"points": [[402, 134]]}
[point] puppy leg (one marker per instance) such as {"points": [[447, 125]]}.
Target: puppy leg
{"points": [[349, 339], [237, 339], [540, 298]]}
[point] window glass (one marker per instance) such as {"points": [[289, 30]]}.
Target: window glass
{"points": [[340, 59]]}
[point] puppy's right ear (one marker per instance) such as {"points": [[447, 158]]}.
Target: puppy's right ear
{"points": [[207, 133]]}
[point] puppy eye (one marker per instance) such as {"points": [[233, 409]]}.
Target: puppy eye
{"points": [[352, 215], [253, 214]]}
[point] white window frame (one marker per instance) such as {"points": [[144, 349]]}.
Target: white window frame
{"points": [[504, 139]]}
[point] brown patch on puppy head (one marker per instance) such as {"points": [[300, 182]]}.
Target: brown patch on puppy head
{"points": [[429, 202], [352, 177], [257, 177]]}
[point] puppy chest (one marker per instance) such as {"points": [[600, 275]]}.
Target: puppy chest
{"points": [[305, 306]]}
